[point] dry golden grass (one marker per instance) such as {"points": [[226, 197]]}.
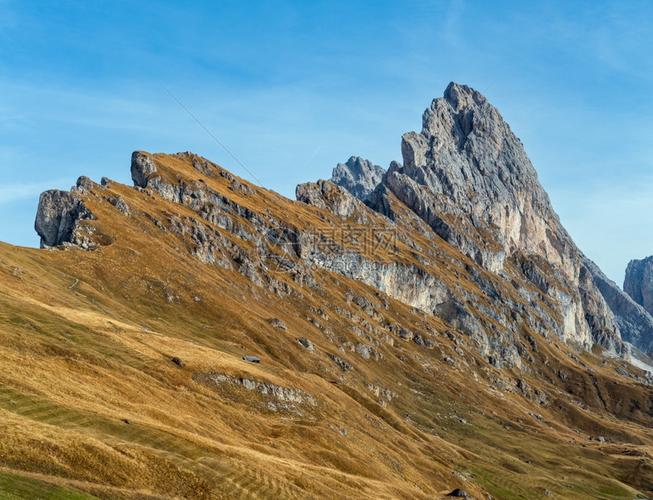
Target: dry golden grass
{"points": [[91, 404]]}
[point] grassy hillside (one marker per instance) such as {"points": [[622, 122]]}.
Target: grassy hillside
{"points": [[93, 405]]}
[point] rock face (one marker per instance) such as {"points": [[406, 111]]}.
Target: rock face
{"points": [[58, 216], [358, 176], [276, 397], [639, 282], [468, 177]]}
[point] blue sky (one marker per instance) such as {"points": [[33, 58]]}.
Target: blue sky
{"points": [[293, 87]]}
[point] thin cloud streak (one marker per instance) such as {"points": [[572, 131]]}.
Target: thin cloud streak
{"points": [[10, 193]]}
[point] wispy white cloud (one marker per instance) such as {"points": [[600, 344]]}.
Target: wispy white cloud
{"points": [[451, 28], [32, 103], [10, 193], [607, 36]]}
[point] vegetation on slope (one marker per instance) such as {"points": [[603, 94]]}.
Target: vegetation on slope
{"points": [[92, 404]]}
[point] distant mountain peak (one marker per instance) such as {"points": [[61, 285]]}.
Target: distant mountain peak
{"points": [[638, 282], [358, 176]]}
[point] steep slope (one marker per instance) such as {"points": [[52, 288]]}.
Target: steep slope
{"points": [[124, 374], [392, 363]]}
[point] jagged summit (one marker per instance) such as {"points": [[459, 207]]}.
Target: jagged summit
{"points": [[458, 95], [358, 176], [467, 153]]}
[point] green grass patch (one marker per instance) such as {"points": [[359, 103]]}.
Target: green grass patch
{"points": [[14, 486]]}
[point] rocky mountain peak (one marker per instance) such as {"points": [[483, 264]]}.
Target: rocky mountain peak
{"points": [[461, 96], [467, 175], [639, 282], [464, 139], [358, 176]]}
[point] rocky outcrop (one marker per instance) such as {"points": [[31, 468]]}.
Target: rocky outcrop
{"points": [[275, 397], [329, 196], [358, 176], [142, 168], [460, 232], [59, 215], [634, 322], [639, 282]]}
